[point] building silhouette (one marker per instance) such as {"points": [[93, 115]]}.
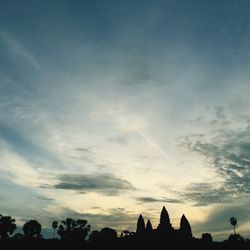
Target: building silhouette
{"points": [[165, 230]]}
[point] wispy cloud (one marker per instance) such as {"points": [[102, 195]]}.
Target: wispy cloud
{"points": [[18, 170], [161, 200], [18, 49]]}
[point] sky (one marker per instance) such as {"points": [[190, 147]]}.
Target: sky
{"points": [[111, 109]]}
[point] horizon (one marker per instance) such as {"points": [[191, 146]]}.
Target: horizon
{"points": [[50, 233], [111, 109]]}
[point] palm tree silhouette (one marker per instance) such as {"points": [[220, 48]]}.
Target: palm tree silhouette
{"points": [[233, 222], [73, 229], [54, 226], [7, 226]]}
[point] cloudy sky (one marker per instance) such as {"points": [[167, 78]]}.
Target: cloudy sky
{"points": [[109, 109]]}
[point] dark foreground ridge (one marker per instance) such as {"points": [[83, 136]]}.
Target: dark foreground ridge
{"points": [[77, 234]]}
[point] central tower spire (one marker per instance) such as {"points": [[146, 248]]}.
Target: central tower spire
{"points": [[164, 225]]}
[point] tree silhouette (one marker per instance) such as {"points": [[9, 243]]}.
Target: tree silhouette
{"points": [[94, 236], [32, 229], [54, 226], [18, 236], [207, 237], [185, 227], [73, 229], [233, 222], [235, 238], [126, 233], [108, 234], [7, 226], [77, 231], [140, 230]]}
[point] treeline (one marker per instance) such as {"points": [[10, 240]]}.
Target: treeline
{"points": [[71, 234]]}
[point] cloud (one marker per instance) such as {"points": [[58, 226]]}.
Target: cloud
{"points": [[119, 139], [227, 153], [117, 218], [165, 200], [17, 49], [106, 184], [18, 142], [84, 150], [24, 202], [18, 170], [204, 194], [220, 112], [218, 220], [45, 198]]}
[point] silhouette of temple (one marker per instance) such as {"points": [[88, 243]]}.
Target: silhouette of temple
{"points": [[165, 229], [75, 234]]}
